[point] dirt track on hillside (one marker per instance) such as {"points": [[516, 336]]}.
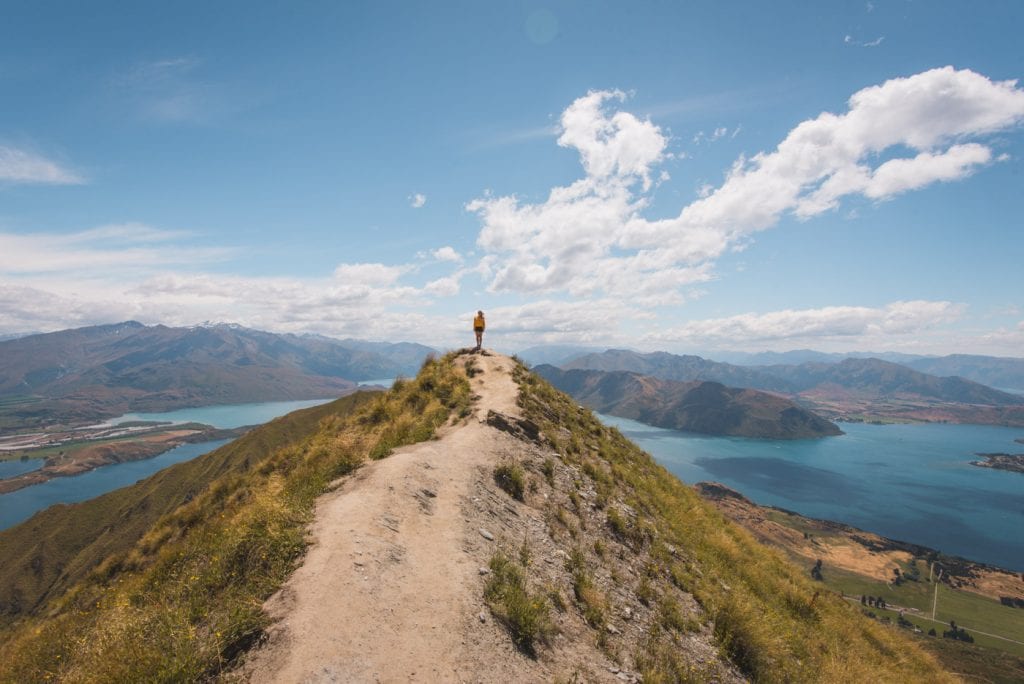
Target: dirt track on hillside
{"points": [[391, 589]]}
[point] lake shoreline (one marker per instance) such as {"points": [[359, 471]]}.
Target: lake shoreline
{"points": [[866, 553], [98, 453]]}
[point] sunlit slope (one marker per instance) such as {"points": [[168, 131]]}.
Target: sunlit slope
{"points": [[57, 547], [767, 615]]}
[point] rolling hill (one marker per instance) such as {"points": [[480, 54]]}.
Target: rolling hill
{"points": [[699, 406]]}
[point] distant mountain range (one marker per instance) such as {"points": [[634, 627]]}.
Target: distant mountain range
{"points": [[555, 354], [995, 371], [1005, 373], [680, 368], [851, 388], [699, 406], [99, 371]]}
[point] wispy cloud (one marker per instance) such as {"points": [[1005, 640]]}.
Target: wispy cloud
{"points": [[806, 325], [170, 90], [715, 135], [417, 200], [95, 251], [849, 40], [24, 166]]}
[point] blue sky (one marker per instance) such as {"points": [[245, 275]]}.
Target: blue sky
{"points": [[679, 176]]}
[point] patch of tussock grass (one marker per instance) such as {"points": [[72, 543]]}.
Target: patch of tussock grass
{"points": [[526, 614]]}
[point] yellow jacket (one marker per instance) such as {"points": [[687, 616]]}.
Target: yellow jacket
{"points": [[478, 323]]}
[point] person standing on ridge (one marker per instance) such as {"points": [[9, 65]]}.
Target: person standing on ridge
{"points": [[478, 327]]}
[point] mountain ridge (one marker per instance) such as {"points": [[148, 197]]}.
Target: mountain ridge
{"points": [[575, 531], [852, 389], [98, 372]]}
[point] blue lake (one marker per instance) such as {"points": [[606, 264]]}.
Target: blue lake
{"points": [[14, 468], [908, 482], [226, 416], [21, 504]]}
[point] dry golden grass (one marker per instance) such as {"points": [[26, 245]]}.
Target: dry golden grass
{"points": [[768, 618], [186, 599]]}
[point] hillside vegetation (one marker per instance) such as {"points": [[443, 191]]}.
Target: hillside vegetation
{"points": [[770, 619], [184, 600], [61, 545]]}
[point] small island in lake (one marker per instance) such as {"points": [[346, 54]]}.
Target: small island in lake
{"points": [[1014, 462]]}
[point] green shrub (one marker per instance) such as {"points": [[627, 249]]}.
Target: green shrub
{"points": [[512, 479], [525, 614]]}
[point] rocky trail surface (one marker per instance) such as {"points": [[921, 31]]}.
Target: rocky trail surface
{"points": [[392, 587]]}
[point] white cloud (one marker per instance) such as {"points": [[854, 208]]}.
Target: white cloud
{"points": [[551, 321], [895, 319], [22, 166], [127, 246], [417, 200], [590, 238], [370, 274], [849, 40], [446, 253], [619, 146]]}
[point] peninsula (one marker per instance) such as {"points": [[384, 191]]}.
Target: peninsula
{"points": [[1014, 462]]}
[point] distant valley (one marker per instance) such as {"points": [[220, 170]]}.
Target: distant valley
{"points": [[702, 406]]}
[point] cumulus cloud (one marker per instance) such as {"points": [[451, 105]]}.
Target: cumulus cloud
{"points": [[551, 321], [22, 166], [417, 200], [446, 253], [895, 319], [591, 238]]}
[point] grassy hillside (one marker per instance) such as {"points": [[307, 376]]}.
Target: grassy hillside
{"points": [[59, 546], [774, 623], [182, 600]]}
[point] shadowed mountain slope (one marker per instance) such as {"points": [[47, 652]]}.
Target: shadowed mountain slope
{"points": [[96, 372], [701, 406]]}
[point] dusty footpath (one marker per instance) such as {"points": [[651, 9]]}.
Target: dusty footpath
{"points": [[392, 587]]}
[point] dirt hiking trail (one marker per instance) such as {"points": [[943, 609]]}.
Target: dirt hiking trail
{"points": [[392, 587]]}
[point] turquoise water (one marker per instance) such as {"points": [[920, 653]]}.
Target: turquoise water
{"points": [[21, 504], [908, 482], [13, 468], [227, 416]]}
